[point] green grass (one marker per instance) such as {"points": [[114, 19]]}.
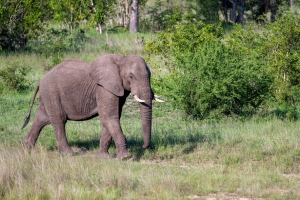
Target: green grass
{"points": [[188, 159], [245, 159]]}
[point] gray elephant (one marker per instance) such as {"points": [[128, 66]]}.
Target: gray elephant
{"points": [[76, 90]]}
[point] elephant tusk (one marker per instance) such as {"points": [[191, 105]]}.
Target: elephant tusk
{"points": [[138, 99], [158, 100]]}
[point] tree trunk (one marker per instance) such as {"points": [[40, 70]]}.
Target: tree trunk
{"points": [[273, 8], [99, 28], [225, 9], [291, 4], [266, 6], [241, 8], [233, 11], [134, 17], [123, 13]]}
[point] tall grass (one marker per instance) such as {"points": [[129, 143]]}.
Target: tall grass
{"points": [[250, 159], [187, 159]]}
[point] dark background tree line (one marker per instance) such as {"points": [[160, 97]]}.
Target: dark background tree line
{"points": [[21, 20]]}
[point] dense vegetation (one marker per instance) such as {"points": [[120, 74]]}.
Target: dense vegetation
{"points": [[246, 71], [235, 70], [229, 128]]}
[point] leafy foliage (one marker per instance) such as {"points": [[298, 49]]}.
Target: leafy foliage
{"points": [[14, 77], [218, 80], [236, 73], [70, 12], [162, 16], [207, 11], [214, 76], [20, 20], [55, 41], [102, 11], [185, 37], [282, 50]]}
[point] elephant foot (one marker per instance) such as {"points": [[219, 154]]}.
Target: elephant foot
{"points": [[81, 151], [104, 155], [67, 152], [27, 145], [124, 155]]}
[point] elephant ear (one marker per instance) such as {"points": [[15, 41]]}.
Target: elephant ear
{"points": [[107, 74]]}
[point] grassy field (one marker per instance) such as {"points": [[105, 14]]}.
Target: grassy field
{"points": [[232, 159]]}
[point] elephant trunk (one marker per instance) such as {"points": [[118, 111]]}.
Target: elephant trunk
{"points": [[146, 112], [146, 115]]}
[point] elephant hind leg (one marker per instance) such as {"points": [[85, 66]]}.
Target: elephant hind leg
{"points": [[40, 121], [61, 138], [105, 141]]}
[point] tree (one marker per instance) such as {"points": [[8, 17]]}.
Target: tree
{"points": [[225, 6], [122, 12], [234, 6], [241, 8], [207, 11], [70, 12], [101, 10], [20, 20], [134, 16]]}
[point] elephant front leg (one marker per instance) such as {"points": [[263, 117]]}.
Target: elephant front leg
{"points": [[108, 107], [114, 128]]}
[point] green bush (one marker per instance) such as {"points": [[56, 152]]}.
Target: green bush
{"points": [[216, 81], [214, 75], [55, 42], [161, 16], [183, 37], [282, 51], [13, 77]]}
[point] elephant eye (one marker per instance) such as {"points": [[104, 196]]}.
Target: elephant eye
{"points": [[130, 76]]}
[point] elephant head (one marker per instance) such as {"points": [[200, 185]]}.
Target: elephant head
{"points": [[123, 74]]}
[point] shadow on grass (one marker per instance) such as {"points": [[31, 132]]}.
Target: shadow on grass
{"points": [[187, 141], [87, 144]]}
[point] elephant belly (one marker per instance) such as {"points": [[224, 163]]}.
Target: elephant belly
{"points": [[80, 116], [81, 105], [79, 99]]}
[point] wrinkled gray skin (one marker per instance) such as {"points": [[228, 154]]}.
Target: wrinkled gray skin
{"points": [[76, 90]]}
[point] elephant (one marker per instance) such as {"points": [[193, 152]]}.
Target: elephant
{"points": [[76, 90]]}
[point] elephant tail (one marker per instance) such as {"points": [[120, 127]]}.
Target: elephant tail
{"points": [[27, 118]]}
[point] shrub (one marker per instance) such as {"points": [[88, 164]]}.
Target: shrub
{"points": [[55, 42], [282, 50], [214, 76], [162, 15], [14, 77], [216, 81], [183, 37]]}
